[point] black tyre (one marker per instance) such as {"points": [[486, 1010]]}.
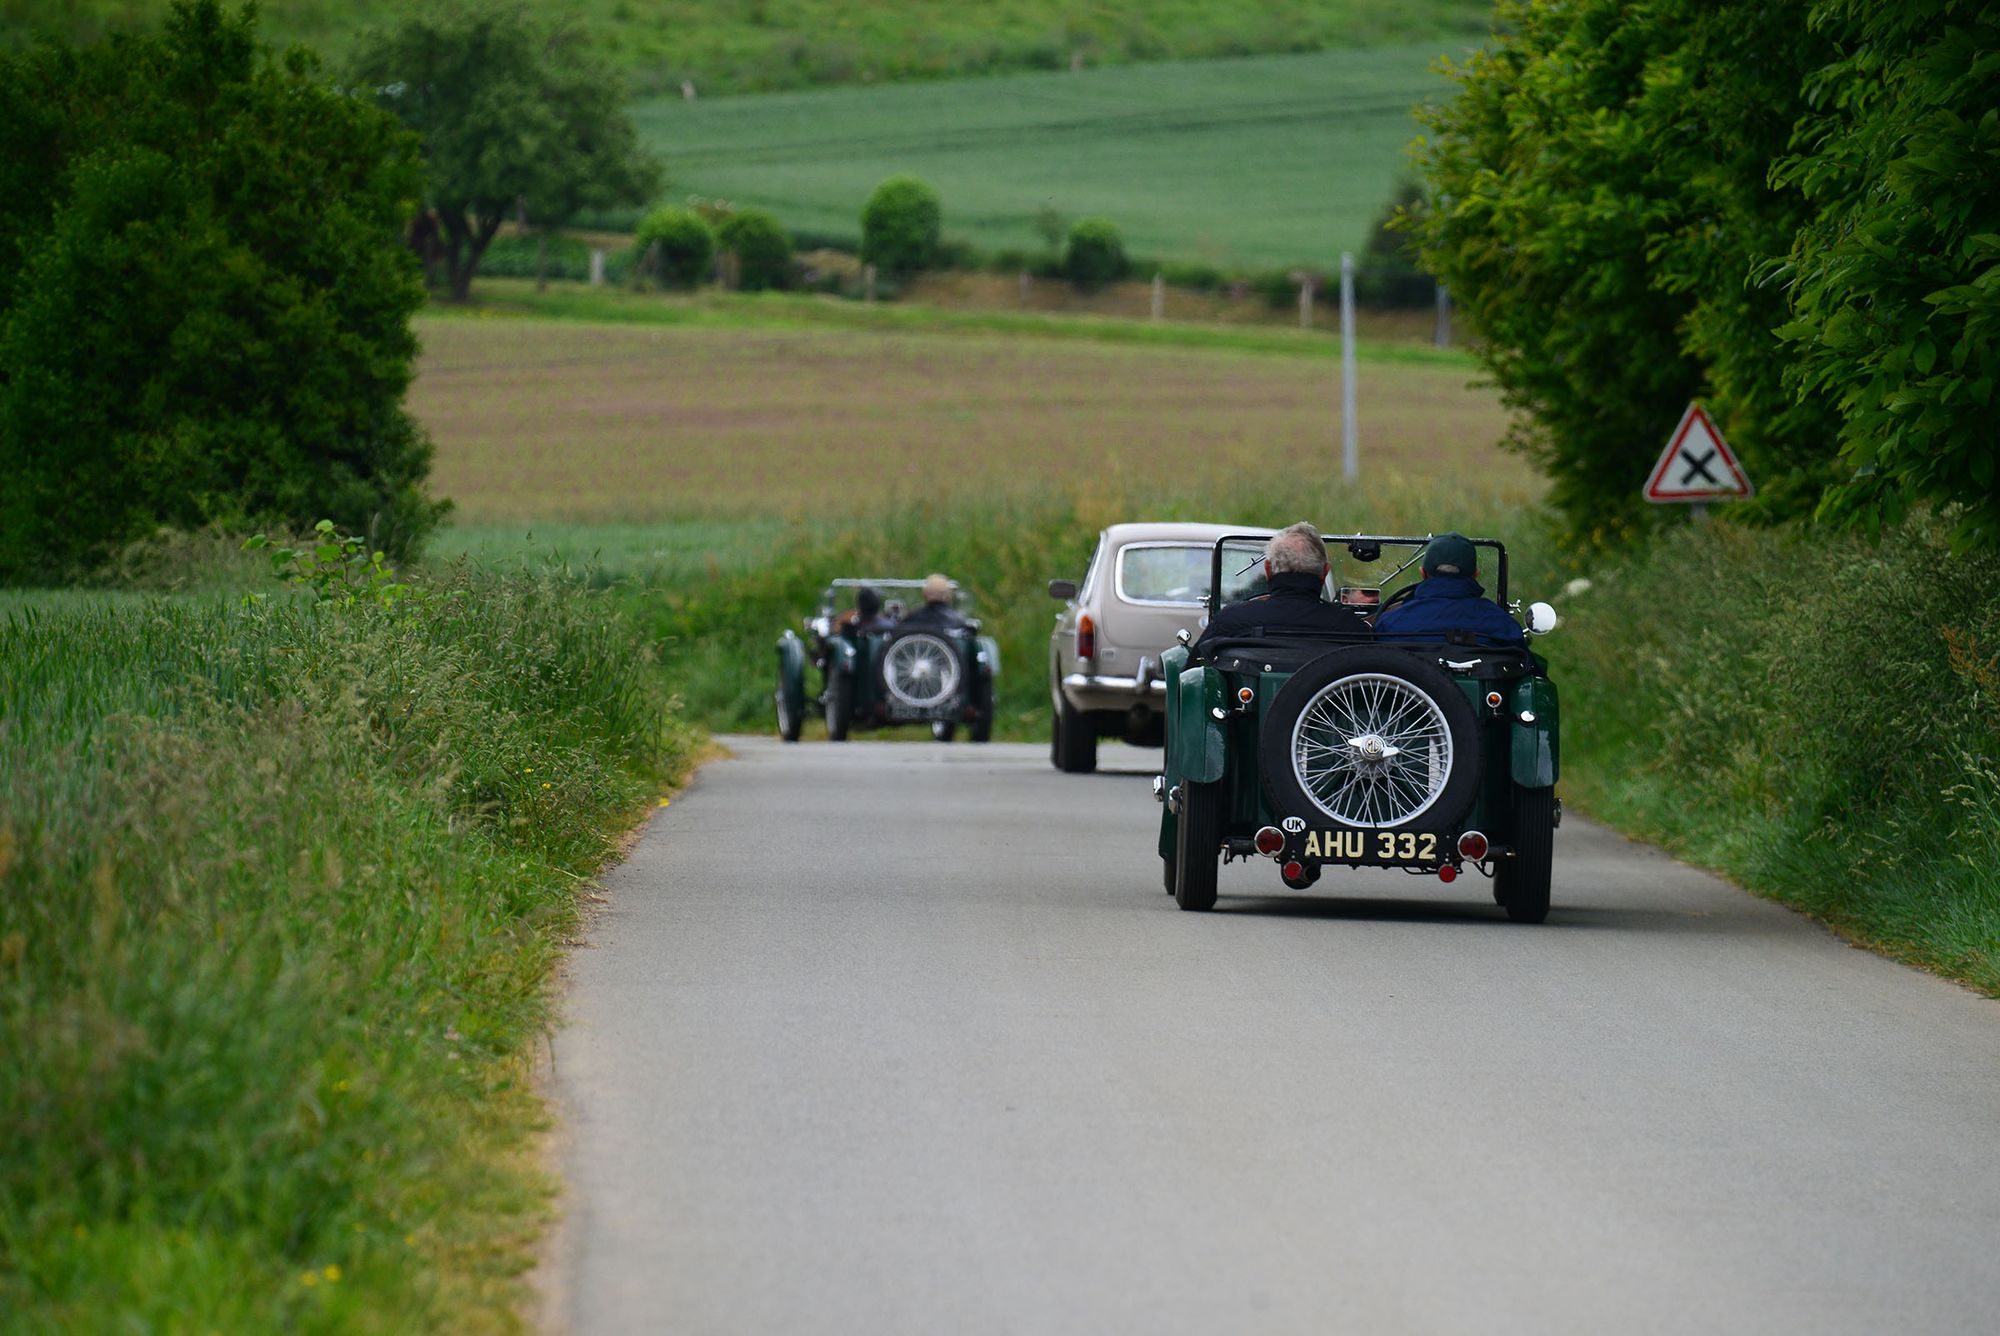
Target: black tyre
{"points": [[1372, 737], [1521, 883], [791, 710], [981, 728], [1076, 741], [839, 706], [1167, 867], [943, 730], [1198, 845]]}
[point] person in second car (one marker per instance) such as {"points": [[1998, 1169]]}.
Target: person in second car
{"points": [[1449, 599], [1295, 569], [936, 614], [865, 617]]}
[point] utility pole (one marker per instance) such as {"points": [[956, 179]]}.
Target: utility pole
{"points": [[1350, 446]]}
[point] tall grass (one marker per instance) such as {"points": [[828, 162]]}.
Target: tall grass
{"points": [[1817, 716], [280, 890]]}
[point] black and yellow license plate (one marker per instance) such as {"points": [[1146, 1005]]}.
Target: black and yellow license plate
{"points": [[1383, 848]]}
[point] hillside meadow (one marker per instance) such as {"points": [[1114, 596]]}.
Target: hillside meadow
{"points": [[1260, 161], [751, 45]]}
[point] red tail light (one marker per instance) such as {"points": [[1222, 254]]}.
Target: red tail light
{"points": [[1086, 637], [1269, 840], [1447, 873], [1294, 871], [1472, 845]]}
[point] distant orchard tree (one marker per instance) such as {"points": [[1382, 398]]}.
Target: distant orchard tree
{"points": [[685, 245], [763, 252], [514, 121], [1096, 253], [900, 225], [204, 298]]}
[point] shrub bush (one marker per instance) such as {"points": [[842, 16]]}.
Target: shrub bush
{"points": [[763, 252], [204, 298], [686, 245], [900, 225], [1196, 274], [1096, 253]]}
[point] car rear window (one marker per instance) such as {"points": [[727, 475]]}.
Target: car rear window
{"points": [[1163, 573]]}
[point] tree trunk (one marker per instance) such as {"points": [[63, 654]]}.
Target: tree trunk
{"points": [[476, 233]]}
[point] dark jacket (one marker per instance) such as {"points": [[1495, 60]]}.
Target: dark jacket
{"points": [[933, 617], [1292, 607], [1444, 603]]}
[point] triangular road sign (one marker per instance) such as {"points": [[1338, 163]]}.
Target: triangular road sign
{"points": [[1697, 464]]}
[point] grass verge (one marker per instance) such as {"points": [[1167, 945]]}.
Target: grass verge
{"points": [[1817, 717], [281, 886]]}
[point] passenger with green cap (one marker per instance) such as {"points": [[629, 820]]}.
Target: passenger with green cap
{"points": [[1449, 599]]}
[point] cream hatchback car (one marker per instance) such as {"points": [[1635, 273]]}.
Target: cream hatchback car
{"points": [[1145, 584]]}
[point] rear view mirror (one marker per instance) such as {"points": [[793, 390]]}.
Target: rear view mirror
{"points": [[1062, 589], [1541, 619]]}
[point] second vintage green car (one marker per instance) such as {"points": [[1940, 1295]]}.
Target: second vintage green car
{"points": [[1437, 756], [932, 667]]}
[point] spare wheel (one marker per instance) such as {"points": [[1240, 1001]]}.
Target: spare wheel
{"points": [[1374, 738]]}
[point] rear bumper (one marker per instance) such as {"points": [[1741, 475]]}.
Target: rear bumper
{"points": [[1091, 691]]}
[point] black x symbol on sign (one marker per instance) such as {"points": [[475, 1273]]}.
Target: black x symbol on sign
{"points": [[1697, 467]]}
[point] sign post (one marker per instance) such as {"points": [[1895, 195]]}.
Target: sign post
{"points": [[1697, 466], [1350, 443]]}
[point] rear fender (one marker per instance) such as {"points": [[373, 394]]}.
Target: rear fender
{"points": [[792, 670], [986, 654], [1195, 735], [1171, 664], [1535, 753], [839, 655]]}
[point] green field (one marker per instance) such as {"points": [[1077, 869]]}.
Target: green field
{"points": [[1263, 161], [749, 45]]}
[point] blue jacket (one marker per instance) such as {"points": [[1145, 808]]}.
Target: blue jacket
{"points": [[1444, 603]]}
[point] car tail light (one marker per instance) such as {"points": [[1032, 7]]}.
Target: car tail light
{"points": [[1244, 695], [1447, 873], [1294, 871], [1086, 637], [1492, 700], [1472, 845], [1269, 840]]}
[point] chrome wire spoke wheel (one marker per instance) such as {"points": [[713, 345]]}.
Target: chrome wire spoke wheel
{"points": [[1371, 750], [921, 671]]}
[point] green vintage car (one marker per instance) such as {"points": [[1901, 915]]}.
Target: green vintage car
{"points": [[933, 668], [1436, 756]]}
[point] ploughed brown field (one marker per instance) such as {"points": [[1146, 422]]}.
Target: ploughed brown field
{"points": [[566, 420]]}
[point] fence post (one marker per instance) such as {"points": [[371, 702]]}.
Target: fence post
{"points": [[1443, 338], [1027, 286], [1159, 295], [868, 282], [597, 266], [1350, 445], [1305, 301]]}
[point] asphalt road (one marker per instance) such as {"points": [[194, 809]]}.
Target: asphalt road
{"points": [[908, 1038]]}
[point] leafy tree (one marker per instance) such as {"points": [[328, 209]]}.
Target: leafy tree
{"points": [[1096, 253], [204, 298], [1896, 280], [763, 252], [514, 121], [1600, 208], [900, 225], [686, 244]]}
